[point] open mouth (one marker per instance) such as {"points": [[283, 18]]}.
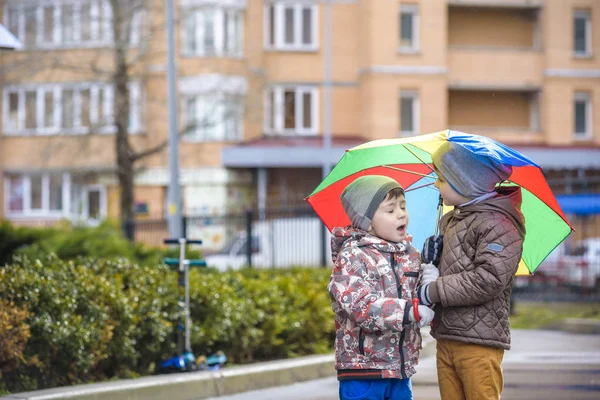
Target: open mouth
{"points": [[401, 229]]}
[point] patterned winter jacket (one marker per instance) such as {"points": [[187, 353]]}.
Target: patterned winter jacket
{"points": [[371, 289]]}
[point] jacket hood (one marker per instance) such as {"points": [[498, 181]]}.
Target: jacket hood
{"points": [[507, 201], [344, 237]]}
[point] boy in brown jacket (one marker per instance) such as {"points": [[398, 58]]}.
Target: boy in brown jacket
{"points": [[482, 246]]}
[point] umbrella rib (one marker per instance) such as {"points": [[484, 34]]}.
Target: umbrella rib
{"points": [[418, 158], [410, 172], [418, 187]]}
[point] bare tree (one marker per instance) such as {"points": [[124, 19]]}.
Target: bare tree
{"points": [[132, 25]]}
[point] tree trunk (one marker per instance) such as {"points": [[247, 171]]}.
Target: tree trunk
{"points": [[125, 167]]}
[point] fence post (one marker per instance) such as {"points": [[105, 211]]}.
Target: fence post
{"points": [[128, 229], [249, 238], [184, 225]]}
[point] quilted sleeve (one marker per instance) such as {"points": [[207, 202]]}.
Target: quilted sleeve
{"points": [[497, 256], [352, 290]]}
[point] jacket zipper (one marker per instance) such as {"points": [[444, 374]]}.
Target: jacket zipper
{"points": [[361, 342], [401, 344]]}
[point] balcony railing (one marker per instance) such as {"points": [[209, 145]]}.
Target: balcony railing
{"points": [[519, 69]]}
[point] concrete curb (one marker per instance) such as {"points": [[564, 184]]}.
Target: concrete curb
{"points": [[205, 384]]}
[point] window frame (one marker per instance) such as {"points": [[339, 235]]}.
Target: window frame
{"points": [[586, 98], [221, 101], [416, 112], [100, 28], [276, 112], [279, 43], [45, 210], [74, 196], [222, 39], [99, 124], [413, 11], [586, 15]]}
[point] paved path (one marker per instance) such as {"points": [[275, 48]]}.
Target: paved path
{"points": [[546, 365]]}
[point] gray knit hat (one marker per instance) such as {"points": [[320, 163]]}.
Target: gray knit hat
{"points": [[362, 197], [470, 175]]}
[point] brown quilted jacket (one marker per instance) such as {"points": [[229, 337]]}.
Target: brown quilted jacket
{"points": [[482, 248]]}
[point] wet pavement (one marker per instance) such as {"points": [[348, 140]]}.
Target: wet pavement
{"points": [[548, 365]]}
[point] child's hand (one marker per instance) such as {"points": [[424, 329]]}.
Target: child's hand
{"points": [[430, 273], [432, 249], [425, 313]]}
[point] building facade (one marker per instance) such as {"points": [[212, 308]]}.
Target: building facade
{"points": [[253, 84]]}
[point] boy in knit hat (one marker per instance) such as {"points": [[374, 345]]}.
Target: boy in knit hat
{"points": [[372, 286], [482, 246]]}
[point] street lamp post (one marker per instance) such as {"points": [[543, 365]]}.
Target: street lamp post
{"points": [[326, 151], [327, 91], [174, 190]]}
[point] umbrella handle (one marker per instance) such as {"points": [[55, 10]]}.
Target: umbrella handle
{"points": [[416, 309], [440, 210]]}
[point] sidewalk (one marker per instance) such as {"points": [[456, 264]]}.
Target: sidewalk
{"points": [[205, 384]]}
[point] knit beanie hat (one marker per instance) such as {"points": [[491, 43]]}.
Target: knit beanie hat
{"points": [[362, 197], [470, 175]]}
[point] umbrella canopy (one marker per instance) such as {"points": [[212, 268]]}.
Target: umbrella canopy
{"points": [[408, 161]]}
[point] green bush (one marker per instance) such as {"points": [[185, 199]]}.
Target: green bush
{"points": [[70, 242], [89, 322], [256, 315], [13, 238], [92, 320], [14, 333]]}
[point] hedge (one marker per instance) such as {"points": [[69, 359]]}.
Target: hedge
{"points": [[89, 320]]}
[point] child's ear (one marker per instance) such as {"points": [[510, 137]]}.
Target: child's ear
{"points": [[370, 230]]}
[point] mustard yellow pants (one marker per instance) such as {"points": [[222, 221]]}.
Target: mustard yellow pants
{"points": [[469, 371]]}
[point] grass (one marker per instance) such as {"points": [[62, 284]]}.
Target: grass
{"points": [[540, 315]]}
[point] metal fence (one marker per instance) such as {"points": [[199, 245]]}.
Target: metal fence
{"points": [[280, 238], [296, 237]]}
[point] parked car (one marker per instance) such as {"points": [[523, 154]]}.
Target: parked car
{"points": [[281, 243], [583, 264], [576, 266]]}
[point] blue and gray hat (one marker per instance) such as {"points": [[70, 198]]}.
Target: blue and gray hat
{"points": [[470, 175]]}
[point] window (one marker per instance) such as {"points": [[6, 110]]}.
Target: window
{"points": [[35, 194], [213, 117], [291, 26], [409, 28], [582, 33], [292, 110], [53, 195], [583, 115], [16, 196], [93, 203], [213, 32], [409, 113], [67, 108], [66, 23]]}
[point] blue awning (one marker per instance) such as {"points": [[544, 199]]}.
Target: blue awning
{"points": [[580, 204]]}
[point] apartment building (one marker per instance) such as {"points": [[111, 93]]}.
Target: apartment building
{"points": [[252, 91]]}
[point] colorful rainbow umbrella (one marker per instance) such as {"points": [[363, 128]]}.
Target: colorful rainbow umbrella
{"points": [[408, 161]]}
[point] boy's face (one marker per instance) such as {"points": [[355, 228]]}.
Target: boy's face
{"points": [[390, 219], [451, 197]]}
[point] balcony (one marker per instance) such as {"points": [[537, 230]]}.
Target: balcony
{"points": [[495, 68], [490, 46], [507, 116]]}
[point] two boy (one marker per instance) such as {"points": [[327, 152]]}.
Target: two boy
{"points": [[378, 273]]}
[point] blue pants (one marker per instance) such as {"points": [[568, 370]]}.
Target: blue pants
{"points": [[376, 389]]}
